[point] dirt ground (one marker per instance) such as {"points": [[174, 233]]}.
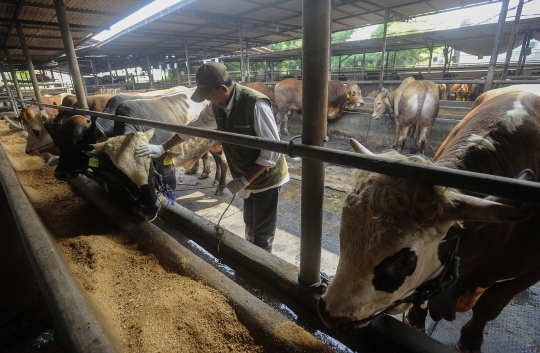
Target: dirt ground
{"points": [[150, 309]]}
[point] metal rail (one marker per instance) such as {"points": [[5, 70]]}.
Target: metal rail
{"points": [[524, 191]]}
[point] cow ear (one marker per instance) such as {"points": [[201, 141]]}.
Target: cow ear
{"points": [[359, 148], [100, 135], [149, 134], [384, 92], [98, 146], [476, 209]]}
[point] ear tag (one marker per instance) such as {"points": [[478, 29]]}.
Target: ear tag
{"points": [[348, 96], [93, 162], [453, 94], [167, 161], [474, 85]]}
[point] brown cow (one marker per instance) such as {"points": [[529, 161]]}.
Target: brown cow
{"points": [[354, 95], [497, 92], [262, 88], [289, 97], [442, 90], [415, 105], [49, 99], [458, 92], [398, 234]]}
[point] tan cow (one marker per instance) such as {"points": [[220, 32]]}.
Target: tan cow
{"points": [[458, 92], [262, 88], [49, 99], [442, 90], [414, 105], [289, 97]]}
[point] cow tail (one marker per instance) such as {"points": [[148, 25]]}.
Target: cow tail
{"points": [[421, 100]]}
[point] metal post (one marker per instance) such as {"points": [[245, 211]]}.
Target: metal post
{"points": [[187, 63], [110, 73], [495, 51], [528, 37], [512, 40], [363, 65], [241, 53], [14, 78], [8, 91], [94, 73], [315, 56], [29, 64], [247, 61], [150, 74], [430, 46], [73, 65], [381, 76]]}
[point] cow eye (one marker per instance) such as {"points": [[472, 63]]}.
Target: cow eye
{"points": [[404, 263], [354, 93]]}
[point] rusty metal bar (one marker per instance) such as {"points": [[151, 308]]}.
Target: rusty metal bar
{"points": [[316, 25], [73, 65], [524, 191], [515, 28], [495, 51], [14, 78], [29, 65]]}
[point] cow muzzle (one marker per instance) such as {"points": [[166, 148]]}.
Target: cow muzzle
{"points": [[341, 324], [64, 175], [149, 212]]}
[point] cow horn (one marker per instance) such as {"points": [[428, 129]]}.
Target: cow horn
{"points": [[470, 208], [357, 147], [149, 133], [97, 146]]}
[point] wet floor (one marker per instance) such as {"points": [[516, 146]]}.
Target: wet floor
{"points": [[516, 330]]}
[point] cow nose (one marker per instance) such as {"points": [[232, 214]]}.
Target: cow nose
{"points": [[362, 104], [36, 132], [64, 176], [149, 212]]}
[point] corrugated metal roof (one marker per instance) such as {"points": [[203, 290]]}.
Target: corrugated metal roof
{"points": [[40, 25], [211, 28]]}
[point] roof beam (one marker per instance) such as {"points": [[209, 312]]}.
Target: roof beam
{"points": [[51, 24], [70, 9], [16, 14]]}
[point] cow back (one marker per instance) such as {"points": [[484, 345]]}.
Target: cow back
{"points": [[337, 96], [501, 137]]}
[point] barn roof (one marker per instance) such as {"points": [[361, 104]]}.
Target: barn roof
{"points": [[209, 27]]}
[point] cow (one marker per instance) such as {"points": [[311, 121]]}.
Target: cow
{"points": [[442, 90], [354, 95], [497, 92], [414, 105], [289, 97], [475, 90], [49, 99], [399, 237], [262, 88], [458, 92], [105, 90], [78, 133]]}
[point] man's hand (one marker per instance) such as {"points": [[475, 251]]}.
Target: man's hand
{"points": [[236, 185], [152, 151]]}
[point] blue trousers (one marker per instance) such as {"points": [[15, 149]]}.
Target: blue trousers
{"points": [[260, 217]]}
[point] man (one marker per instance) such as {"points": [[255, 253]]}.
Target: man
{"points": [[258, 175]]}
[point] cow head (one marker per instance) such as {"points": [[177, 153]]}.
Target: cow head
{"points": [[382, 104], [354, 96], [73, 140], [39, 139], [117, 163], [391, 232]]}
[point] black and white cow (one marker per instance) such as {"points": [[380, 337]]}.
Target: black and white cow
{"points": [[78, 134]]}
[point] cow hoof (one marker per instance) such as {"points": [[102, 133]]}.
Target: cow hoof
{"points": [[285, 133], [460, 348], [190, 172], [219, 190]]}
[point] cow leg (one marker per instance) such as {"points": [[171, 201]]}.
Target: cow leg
{"points": [[206, 167], [413, 146], [423, 139], [285, 129], [416, 317], [402, 137], [194, 168], [394, 145], [221, 172], [488, 307]]}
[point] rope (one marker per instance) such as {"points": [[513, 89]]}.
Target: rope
{"points": [[167, 192], [218, 228]]}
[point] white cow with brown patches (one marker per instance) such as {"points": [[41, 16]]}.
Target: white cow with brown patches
{"points": [[397, 234], [414, 106]]}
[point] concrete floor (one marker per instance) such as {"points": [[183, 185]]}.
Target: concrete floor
{"points": [[516, 330]]}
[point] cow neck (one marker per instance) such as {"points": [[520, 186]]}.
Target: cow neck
{"points": [[428, 289]]}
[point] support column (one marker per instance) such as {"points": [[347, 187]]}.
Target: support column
{"points": [[8, 91], [187, 63], [512, 40], [383, 50], [94, 73], [495, 51], [73, 65], [29, 64], [430, 47], [247, 62], [14, 78], [110, 73], [150, 74], [243, 78], [316, 25]]}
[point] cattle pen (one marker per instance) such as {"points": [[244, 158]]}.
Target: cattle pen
{"points": [[246, 312]]}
